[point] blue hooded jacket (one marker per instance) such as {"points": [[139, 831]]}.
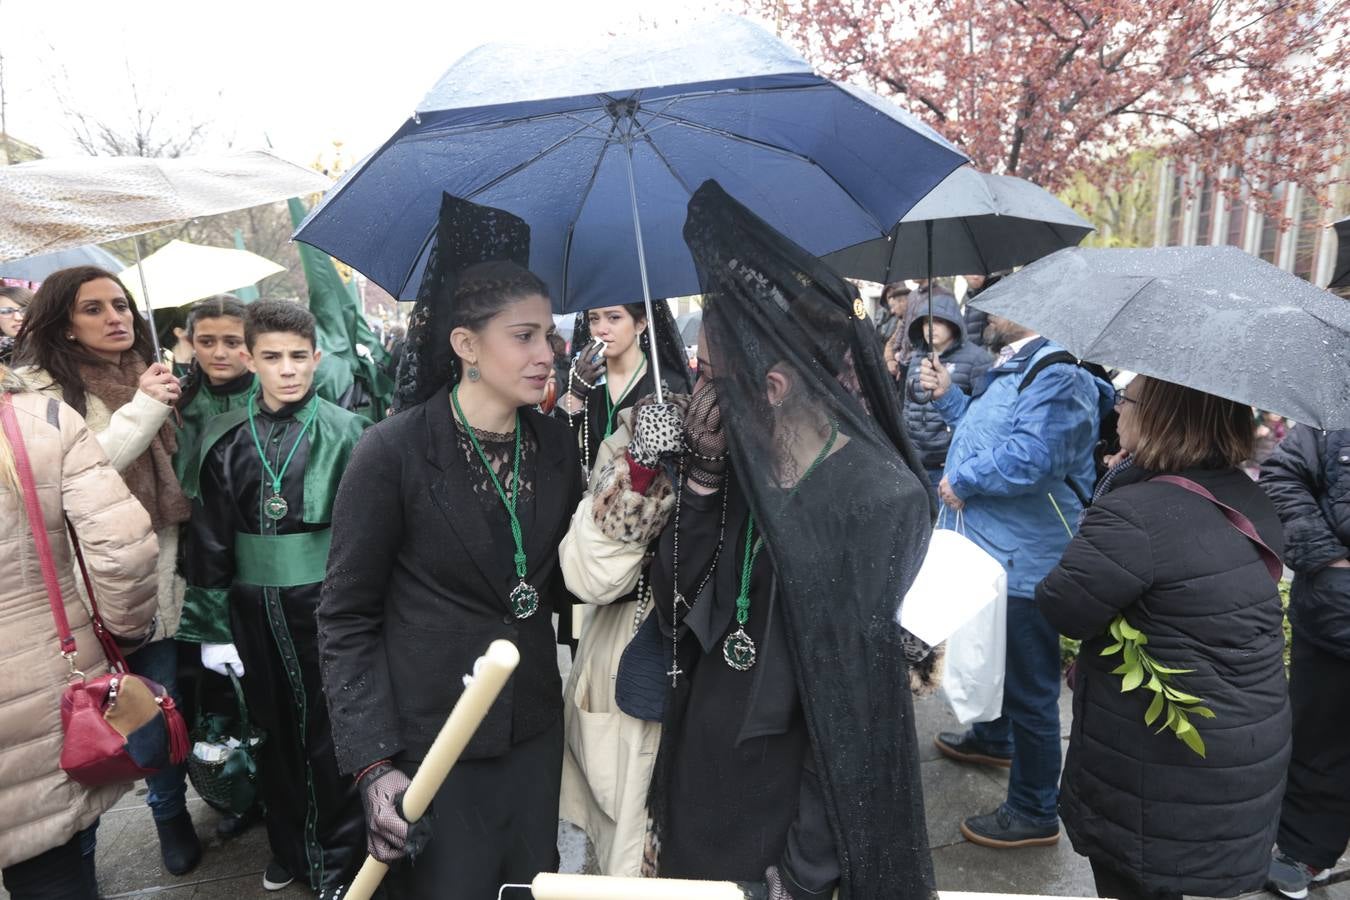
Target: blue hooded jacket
{"points": [[1013, 450]]}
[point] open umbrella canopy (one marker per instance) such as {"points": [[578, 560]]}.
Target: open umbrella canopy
{"points": [[1212, 318], [548, 133], [180, 272], [53, 204], [980, 224], [1341, 276], [37, 268]]}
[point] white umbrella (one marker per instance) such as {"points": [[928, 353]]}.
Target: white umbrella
{"points": [[180, 272], [52, 204]]}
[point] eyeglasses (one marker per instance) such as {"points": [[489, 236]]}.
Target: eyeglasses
{"points": [[7, 311], [1121, 399]]}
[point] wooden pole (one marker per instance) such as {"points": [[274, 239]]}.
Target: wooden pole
{"points": [[490, 673]]}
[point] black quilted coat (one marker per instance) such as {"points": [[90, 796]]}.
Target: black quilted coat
{"points": [[1182, 574], [1308, 480]]}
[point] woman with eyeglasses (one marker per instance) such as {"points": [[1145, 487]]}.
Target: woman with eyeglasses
{"points": [[13, 304], [1181, 724]]}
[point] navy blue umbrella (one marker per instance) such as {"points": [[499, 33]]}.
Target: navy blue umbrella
{"points": [[599, 150]]}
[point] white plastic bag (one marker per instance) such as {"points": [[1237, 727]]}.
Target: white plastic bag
{"points": [[961, 596]]}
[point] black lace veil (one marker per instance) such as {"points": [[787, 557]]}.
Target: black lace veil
{"points": [[798, 370], [466, 233]]}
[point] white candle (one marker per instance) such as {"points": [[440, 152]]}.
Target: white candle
{"points": [[489, 677], [548, 886]]}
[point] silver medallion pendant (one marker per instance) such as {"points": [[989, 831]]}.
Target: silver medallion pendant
{"points": [[275, 507], [524, 600], [739, 650]]}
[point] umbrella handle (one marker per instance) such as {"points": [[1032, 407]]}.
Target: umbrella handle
{"points": [[655, 360]]}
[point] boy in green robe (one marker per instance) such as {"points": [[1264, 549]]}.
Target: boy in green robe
{"points": [[257, 548], [218, 380]]}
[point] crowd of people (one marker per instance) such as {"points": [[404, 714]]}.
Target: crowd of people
{"points": [[739, 703]]}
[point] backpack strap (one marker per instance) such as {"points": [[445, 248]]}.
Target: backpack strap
{"points": [[1243, 524], [1050, 359]]}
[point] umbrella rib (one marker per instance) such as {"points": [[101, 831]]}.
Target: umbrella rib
{"points": [[524, 164], [782, 151], [1087, 354]]}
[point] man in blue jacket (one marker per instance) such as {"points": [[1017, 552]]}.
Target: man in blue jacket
{"points": [[1021, 467]]}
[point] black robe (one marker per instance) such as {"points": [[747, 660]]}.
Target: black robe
{"points": [[735, 785], [315, 820]]}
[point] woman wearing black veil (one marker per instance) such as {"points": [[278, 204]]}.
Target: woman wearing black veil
{"points": [[798, 520], [611, 369], [445, 535]]}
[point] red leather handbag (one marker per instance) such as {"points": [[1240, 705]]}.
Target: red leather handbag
{"points": [[118, 727]]}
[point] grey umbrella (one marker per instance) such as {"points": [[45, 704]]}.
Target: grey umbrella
{"points": [[972, 224], [37, 268], [1341, 276], [688, 326], [1211, 318]]}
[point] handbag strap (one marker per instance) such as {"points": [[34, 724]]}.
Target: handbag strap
{"points": [[33, 507], [116, 661], [1243, 524]]}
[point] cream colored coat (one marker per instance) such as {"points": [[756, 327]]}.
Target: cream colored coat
{"points": [[609, 755], [40, 808], [124, 436]]}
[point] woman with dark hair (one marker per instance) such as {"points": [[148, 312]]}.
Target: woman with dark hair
{"points": [[615, 353], [1174, 773], [84, 342], [445, 536], [13, 307]]}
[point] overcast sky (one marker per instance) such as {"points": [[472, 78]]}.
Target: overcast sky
{"points": [[299, 73]]}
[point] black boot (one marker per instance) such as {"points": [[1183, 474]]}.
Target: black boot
{"points": [[178, 844]]}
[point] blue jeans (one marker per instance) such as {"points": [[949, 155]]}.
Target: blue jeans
{"points": [[935, 477], [1029, 726], [158, 661]]}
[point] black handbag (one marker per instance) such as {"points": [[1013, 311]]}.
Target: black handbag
{"points": [[641, 684]]}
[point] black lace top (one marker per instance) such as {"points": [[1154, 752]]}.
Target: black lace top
{"points": [[500, 450]]}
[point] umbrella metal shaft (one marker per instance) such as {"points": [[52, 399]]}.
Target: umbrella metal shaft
{"points": [[655, 361], [145, 298]]}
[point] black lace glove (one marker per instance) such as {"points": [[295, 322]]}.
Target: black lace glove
{"points": [[389, 836], [586, 370], [658, 429], [706, 439]]}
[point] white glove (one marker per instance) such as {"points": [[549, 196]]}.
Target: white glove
{"points": [[217, 657]]}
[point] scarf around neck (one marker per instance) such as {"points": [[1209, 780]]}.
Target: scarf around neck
{"points": [[150, 478]]}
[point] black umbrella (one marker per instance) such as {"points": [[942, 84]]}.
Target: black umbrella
{"points": [[1212, 318], [1341, 278], [970, 224]]}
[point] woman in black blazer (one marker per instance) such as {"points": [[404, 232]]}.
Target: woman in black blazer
{"points": [[427, 569]]}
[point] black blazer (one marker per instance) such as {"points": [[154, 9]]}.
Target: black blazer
{"points": [[416, 590]]}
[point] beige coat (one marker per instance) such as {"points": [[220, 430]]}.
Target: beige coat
{"points": [[609, 755], [40, 808], [124, 436]]}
